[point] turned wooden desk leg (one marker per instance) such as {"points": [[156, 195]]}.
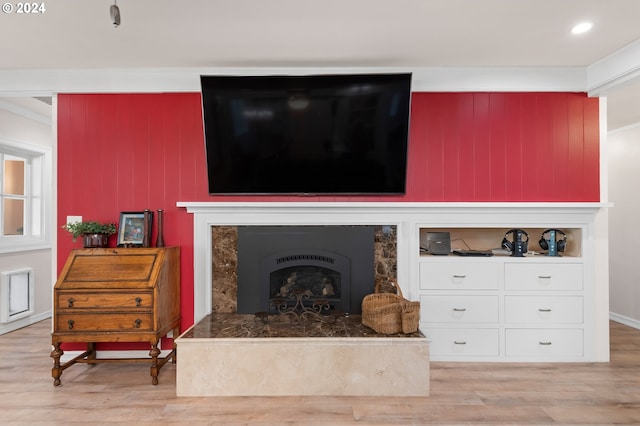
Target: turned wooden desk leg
{"points": [[56, 371], [176, 333], [154, 352], [91, 350]]}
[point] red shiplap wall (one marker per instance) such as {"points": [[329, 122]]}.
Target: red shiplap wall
{"points": [[504, 147], [128, 152]]}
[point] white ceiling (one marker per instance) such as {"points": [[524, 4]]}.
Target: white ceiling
{"points": [[155, 34]]}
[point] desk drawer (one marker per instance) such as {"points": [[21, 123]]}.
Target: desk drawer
{"points": [[104, 322], [104, 300]]}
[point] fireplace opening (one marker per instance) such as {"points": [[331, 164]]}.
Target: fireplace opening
{"points": [[331, 264], [316, 276]]}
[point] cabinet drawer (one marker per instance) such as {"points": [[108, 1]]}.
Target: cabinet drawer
{"points": [[104, 322], [104, 300], [463, 342], [459, 275], [459, 309], [544, 309], [543, 276], [544, 342]]}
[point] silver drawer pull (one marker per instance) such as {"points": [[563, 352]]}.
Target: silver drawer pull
{"points": [[544, 277], [545, 343], [459, 276], [544, 309], [459, 309], [459, 342]]}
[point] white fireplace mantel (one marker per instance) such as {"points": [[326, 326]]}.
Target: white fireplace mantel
{"points": [[407, 216]]}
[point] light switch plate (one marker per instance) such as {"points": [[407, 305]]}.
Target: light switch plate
{"points": [[74, 219]]}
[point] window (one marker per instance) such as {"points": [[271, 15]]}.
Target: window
{"points": [[14, 194], [23, 169]]}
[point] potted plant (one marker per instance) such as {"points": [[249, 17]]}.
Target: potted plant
{"points": [[93, 233]]}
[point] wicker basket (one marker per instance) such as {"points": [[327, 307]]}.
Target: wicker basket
{"points": [[388, 313]]}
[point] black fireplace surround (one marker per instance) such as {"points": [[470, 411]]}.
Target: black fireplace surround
{"points": [[332, 263]]}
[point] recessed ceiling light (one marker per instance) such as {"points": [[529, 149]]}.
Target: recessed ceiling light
{"points": [[582, 27]]}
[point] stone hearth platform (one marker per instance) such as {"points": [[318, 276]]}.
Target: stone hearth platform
{"points": [[241, 355]]}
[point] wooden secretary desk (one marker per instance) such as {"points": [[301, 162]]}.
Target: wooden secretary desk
{"points": [[116, 295]]}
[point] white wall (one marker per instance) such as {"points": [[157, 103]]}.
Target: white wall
{"points": [[624, 225], [18, 128]]}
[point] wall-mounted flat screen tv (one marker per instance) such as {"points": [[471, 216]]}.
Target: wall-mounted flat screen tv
{"points": [[307, 135]]}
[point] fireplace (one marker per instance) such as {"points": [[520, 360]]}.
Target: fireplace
{"points": [[307, 277], [333, 265], [227, 353]]}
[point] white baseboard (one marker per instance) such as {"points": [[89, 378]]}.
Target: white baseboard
{"points": [[625, 320], [24, 322]]}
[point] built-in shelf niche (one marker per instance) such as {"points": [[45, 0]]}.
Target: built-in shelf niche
{"points": [[491, 238]]}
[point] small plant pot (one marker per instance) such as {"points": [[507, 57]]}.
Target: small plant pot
{"points": [[95, 240]]}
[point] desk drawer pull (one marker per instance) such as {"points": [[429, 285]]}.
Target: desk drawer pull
{"points": [[544, 309], [459, 309], [70, 302], [544, 277], [138, 302], [70, 323], [459, 342], [459, 276], [545, 343], [137, 323]]}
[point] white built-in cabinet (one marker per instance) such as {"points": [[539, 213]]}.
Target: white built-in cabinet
{"points": [[529, 308]]}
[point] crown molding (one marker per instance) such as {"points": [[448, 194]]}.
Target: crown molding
{"points": [[24, 112], [442, 79], [613, 70]]}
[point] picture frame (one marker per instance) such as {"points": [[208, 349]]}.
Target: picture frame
{"points": [[132, 230]]}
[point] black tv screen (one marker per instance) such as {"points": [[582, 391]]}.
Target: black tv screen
{"points": [[307, 135]]}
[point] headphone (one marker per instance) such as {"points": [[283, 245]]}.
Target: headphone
{"points": [[560, 244], [508, 245]]}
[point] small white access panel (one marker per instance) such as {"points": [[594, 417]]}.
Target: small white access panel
{"points": [[16, 294]]}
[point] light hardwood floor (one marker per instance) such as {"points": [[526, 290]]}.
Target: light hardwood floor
{"points": [[461, 393]]}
